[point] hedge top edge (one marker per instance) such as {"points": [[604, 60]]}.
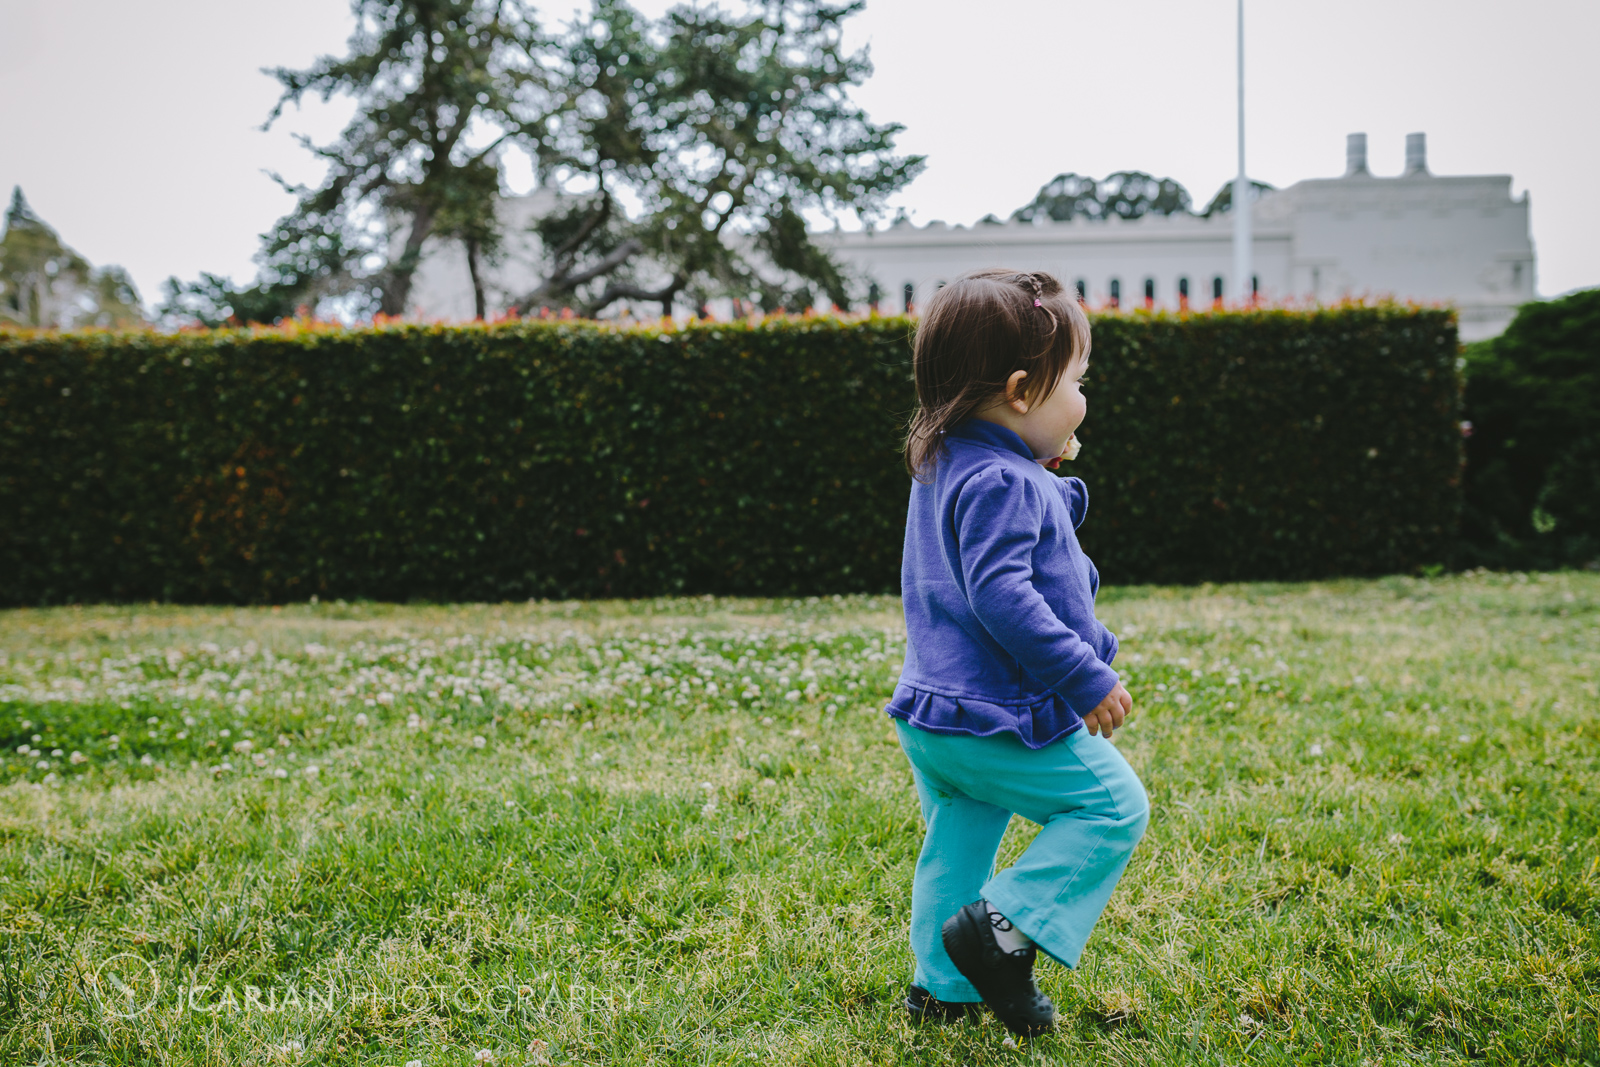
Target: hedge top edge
{"points": [[304, 327]]}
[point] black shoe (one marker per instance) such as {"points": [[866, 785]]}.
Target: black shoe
{"points": [[1004, 979], [925, 1007]]}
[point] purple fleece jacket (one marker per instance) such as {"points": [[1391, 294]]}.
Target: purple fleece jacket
{"points": [[999, 597]]}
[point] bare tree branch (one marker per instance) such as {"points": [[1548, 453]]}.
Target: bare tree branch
{"points": [[565, 283]]}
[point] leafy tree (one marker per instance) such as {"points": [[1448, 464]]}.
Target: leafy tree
{"points": [[45, 284], [440, 86], [1063, 198], [216, 301], [725, 131], [1127, 194]]}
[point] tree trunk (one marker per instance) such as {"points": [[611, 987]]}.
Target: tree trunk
{"points": [[397, 288], [478, 310]]}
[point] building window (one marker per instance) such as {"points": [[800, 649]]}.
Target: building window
{"points": [[1216, 289], [1255, 287], [1116, 292], [1183, 291], [1516, 275], [1082, 285], [874, 295], [1149, 292], [910, 294]]}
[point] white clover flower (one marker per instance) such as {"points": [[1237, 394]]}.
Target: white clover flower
{"points": [[361, 718], [145, 760], [312, 770], [243, 746], [483, 1055], [1315, 750], [479, 742], [77, 757]]}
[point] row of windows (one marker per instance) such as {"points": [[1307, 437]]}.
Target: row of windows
{"points": [[1114, 290]]}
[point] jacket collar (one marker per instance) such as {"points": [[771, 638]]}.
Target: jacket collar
{"points": [[992, 434]]}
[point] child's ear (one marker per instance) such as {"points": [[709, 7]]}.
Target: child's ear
{"points": [[1014, 392]]}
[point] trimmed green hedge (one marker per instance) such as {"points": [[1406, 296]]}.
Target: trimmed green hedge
{"points": [[577, 460]]}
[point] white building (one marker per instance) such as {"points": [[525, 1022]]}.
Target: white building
{"points": [[1417, 236]]}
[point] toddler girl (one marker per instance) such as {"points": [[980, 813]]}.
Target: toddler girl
{"points": [[1006, 663]]}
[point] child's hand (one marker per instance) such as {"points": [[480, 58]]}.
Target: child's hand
{"points": [[1109, 713]]}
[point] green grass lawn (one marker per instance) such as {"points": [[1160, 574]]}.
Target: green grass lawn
{"points": [[681, 832]]}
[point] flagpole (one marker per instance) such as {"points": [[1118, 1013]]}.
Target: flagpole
{"points": [[1242, 288]]}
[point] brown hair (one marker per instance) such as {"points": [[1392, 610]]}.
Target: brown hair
{"points": [[975, 333]]}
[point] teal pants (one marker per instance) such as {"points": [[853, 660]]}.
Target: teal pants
{"points": [[1091, 810]]}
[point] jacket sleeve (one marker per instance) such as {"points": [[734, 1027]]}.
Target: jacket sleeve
{"points": [[998, 517]]}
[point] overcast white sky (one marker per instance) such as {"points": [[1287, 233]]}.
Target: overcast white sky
{"points": [[133, 128]]}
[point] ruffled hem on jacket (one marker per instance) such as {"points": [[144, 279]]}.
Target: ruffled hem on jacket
{"points": [[1035, 724]]}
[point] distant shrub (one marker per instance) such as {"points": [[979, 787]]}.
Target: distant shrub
{"points": [[1533, 470], [579, 460]]}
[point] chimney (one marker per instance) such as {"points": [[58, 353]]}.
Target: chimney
{"points": [[1355, 155], [1416, 153]]}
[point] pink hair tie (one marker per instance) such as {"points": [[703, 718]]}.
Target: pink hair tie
{"points": [[1036, 303]]}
